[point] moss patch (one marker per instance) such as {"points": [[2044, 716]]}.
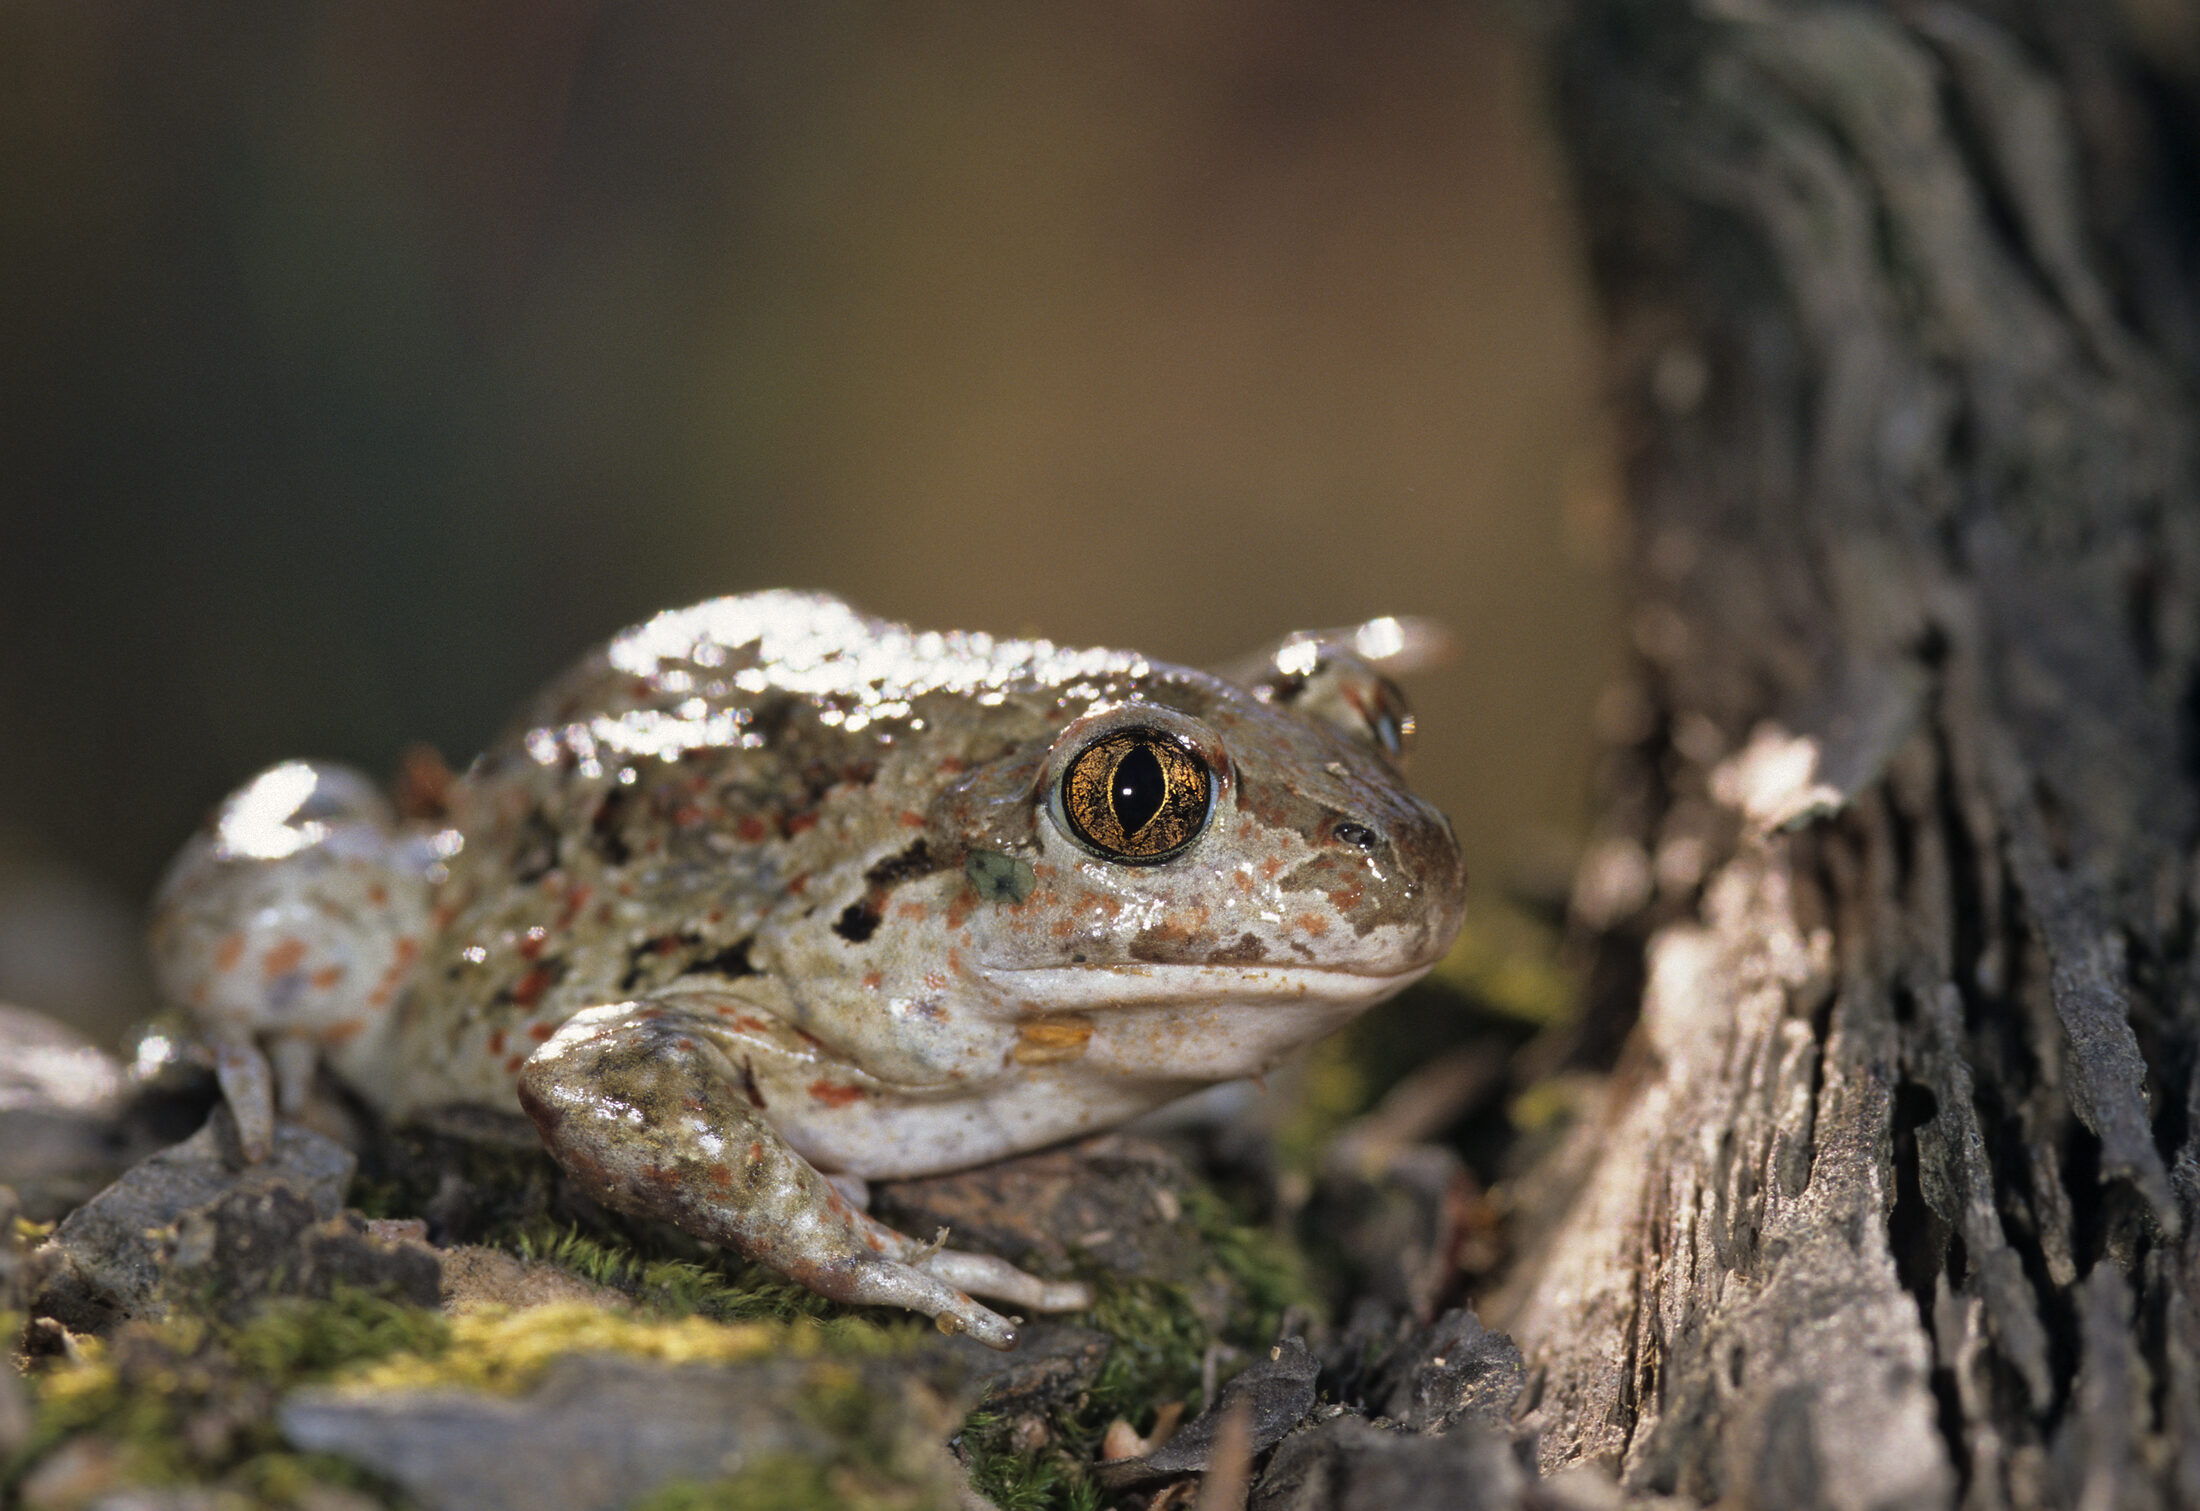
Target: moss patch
{"points": [[192, 1401], [1162, 1332]]}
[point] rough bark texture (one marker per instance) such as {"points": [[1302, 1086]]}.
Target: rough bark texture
{"points": [[1891, 1201]]}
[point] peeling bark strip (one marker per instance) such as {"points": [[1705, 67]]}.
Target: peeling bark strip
{"points": [[1891, 1201]]}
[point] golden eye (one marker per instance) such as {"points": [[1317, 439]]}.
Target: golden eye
{"points": [[1136, 795]]}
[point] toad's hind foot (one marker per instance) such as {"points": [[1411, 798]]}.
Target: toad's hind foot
{"points": [[639, 1101]]}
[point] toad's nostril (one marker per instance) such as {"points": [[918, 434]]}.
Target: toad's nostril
{"points": [[1350, 833]]}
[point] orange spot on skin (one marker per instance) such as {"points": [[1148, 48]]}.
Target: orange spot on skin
{"points": [[496, 1041], [958, 911], [756, 1154], [406, 952], [833, 1094], [528, 990], [910, 910], [800, 823], [1271, 867], [283, 958], [573, 905], [342, 1033], [872, 981], [686, 814], [1045, 1041], [378, 894], [721, 1177], [1311, 923], [1244, 880], [912, 820], [531, 945], [227, 952], [795, 885], [326, 977], [511, 1066], [935, 980], [953, 766], [1345, 899], [540, 1032], [750, 830]]}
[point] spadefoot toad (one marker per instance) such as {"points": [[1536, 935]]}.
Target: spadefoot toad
{"points": [[766, 898]]}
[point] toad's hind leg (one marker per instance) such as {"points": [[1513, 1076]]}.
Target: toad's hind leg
{"points": [[288, 927], [641, 1103]]}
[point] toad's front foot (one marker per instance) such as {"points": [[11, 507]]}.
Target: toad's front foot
{"points": [[639, 1101]]}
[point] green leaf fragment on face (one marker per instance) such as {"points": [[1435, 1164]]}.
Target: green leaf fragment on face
{"points": [[998, 877]]}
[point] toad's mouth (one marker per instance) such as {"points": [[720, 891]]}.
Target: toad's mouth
{"points": [[1076, 988]]}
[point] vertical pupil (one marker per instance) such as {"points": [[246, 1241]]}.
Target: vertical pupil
{"points": [[1137, 789]]}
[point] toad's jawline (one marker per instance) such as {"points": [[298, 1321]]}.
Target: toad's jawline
{"points": [[1072, 988]]}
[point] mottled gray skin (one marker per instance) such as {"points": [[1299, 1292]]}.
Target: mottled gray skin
{"points": [[765, 889]]}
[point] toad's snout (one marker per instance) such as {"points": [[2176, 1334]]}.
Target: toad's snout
{"points": [[1413, 882]]}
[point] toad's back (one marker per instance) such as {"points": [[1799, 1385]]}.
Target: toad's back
{"points": [[717, 774]]}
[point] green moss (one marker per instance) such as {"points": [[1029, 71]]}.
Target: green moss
{"points": [[1023, 1481], [792, 1482], [191, 1401], [1161, 1333], [294, 1342], [719, 1285]]}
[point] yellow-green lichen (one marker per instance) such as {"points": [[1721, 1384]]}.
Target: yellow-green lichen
{"points": [[508, 1352]]}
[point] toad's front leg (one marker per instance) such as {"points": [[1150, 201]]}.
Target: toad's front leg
{"points": [[641, 1101]]}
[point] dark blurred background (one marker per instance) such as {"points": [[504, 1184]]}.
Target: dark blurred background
{"points": [[365, 363]]}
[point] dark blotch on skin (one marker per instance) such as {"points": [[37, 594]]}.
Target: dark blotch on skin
{"points": [[603, 830], [732, 961], [1247, 951], [639, 956], [910, 864], [857, 922], [536, 854]]}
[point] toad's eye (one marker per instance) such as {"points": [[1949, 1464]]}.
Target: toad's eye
{"points": [[1136, 795]]}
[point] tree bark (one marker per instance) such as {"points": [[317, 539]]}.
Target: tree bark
{"points": [[1891, 1198]]}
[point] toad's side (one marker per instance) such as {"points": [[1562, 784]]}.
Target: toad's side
{"points": [[766, 898]]}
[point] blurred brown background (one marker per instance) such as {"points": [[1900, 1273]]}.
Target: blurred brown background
{"points": [[363, 364]]}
